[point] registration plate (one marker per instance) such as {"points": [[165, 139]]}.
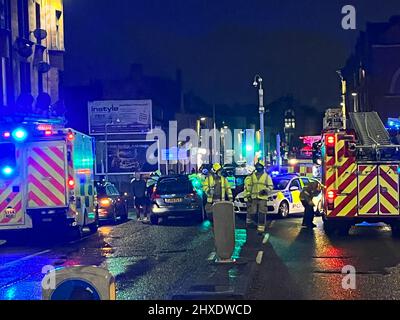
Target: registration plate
{"points": [[10, 213], [175, 200]]}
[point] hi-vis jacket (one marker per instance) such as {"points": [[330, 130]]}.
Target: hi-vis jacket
{"points": [[209, 188], [309, 192], [257, 188]]}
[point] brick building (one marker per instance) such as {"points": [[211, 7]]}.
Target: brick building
{"points": [[31, 54], [372, 73]]}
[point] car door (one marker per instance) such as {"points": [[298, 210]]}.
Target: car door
{"points": [[295, 189]]}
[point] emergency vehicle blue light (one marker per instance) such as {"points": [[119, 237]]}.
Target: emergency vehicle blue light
{"points": [[7, 171], [20, 134]]}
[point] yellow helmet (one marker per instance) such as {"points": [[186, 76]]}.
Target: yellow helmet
{"points": [[216, 167], [261, 162]]}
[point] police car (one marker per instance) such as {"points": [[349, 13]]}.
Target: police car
{"points": [[284, 199]]}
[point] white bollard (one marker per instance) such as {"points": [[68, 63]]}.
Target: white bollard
{"points": [[79, 283], [224, 231]]}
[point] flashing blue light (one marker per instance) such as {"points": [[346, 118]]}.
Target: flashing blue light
{"points": [[391, 123], [7, 171], [398, 170], [20, 134]]}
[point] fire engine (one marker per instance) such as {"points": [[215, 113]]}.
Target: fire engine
{"points": [[46, 176], [360, 172]]}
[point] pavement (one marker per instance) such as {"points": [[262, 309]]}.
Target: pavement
{"points": [[176, 260]]}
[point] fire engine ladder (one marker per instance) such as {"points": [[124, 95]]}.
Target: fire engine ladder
{"points": [[370, 129]]}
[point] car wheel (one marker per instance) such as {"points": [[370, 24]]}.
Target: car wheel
{"points": [[74, 233], [114, 216], [154, 219], [283, 209], [329, 227], [95, 225], [124, 214]]}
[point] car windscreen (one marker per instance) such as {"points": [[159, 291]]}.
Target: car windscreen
{"points": [[174, 186], [280, 184]]}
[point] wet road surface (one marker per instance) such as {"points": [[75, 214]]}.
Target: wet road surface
{"points": [[172, 261], [303, 264], [148, 262]]}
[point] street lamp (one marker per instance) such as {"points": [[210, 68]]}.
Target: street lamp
{"points": [[343, 104], [258, 81], [106, 142], [355, 96]]}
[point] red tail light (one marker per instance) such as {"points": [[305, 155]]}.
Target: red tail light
{"points": [[191, 196], [330, 199], [70, 136], [330, 142], [71, 183], [155, 196]]}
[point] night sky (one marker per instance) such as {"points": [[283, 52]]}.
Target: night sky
{"points": [[296, 45]]}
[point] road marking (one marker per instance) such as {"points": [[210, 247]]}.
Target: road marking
{"points": [[10, 264], [266, 238], [259, 257], [211, 256], [272, 223]]}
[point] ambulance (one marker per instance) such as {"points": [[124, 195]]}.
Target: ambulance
{"points": [[46, 177]]}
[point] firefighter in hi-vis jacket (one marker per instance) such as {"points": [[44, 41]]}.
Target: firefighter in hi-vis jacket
{"points": [[257, 187], [216, 187]]}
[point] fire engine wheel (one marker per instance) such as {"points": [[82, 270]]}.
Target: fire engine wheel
{"points": [[283, 211], [329, 227], [395, 230]]}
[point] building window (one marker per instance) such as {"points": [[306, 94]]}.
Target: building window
{"points": [[58, 29], [290, 120], [23, 19], [25, 75]]}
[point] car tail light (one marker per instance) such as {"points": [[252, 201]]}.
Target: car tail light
{"points": [[191, 196], [155, 196], [330, 199], [330, 141], [105, 202]]}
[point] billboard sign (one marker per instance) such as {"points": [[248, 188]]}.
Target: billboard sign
{"points": [[120, 117], [126, 157]]}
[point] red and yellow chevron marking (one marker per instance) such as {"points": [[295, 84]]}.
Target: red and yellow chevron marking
{"points": [[345, 183], [368, 190], [46, 177], [12, 200], [389, 190]]}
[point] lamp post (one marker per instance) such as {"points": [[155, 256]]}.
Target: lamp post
{"points": [[355, 97], [258, 84], [343, 104], [106, 143]]}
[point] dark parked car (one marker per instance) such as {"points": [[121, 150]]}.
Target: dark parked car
{"points": [[111, 204], [175, 196]]}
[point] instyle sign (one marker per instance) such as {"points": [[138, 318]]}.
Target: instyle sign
{"points": [[120, 116]]}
